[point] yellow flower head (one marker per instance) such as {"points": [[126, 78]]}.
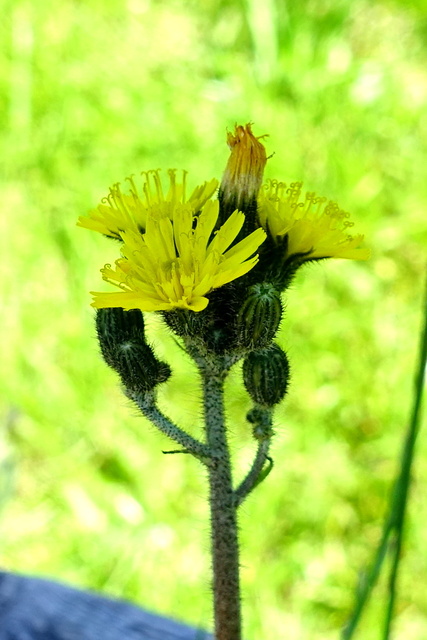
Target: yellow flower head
{"points": [[177, 249], [171, 256], [245, 167], [120, 211], [315, 228]]}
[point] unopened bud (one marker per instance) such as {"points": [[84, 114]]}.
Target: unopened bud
{"points": [[242, 176], [266, 375], [123, 346], [259, 316]]}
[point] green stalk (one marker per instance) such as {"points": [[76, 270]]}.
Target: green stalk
{"points": [[224, 532], [393, 526], [405, 474]]}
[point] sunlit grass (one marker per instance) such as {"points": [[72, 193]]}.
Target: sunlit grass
{"points": [[92, 92]]}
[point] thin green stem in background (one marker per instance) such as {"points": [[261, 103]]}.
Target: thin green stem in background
{"points": [[405, 475], [392, 536]]}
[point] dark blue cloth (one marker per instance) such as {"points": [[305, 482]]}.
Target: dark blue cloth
{"points": [[39, 609]]}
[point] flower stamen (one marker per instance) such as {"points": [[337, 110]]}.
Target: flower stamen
{"points": [[314, 228], [176, 260]]}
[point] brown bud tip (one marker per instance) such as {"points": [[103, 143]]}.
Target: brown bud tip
{"points": [[245, 167]]}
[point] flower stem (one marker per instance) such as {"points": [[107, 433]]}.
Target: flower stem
{"points": [[224, 533], [262, 420], [255, 474], [147, 405]]}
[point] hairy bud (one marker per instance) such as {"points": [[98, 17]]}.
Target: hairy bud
{"points": [[266, 375], [123, 346], [259, 316]]}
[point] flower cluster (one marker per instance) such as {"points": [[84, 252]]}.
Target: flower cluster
{"points": [[173, 251], [215, 267]]}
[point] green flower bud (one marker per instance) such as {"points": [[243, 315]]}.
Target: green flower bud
{"points": [[266, 375], [260, 315], [123, 346]]}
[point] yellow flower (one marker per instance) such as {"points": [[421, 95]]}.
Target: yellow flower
{"points": [[314, 228], [120, 211], [172, 258]]}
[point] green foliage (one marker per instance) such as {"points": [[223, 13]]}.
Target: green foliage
{"points": [[94, 91]]}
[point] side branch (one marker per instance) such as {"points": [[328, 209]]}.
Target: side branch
{"points": [[147, 405], [255, 474], [261, 417]]}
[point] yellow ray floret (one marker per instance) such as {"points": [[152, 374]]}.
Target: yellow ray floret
{"points": [[123, 211], [315, 227], [177, 261]]}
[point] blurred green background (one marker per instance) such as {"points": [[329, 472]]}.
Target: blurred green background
{"points": [[93, 91]]}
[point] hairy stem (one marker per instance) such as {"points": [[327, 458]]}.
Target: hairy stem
{"points": [[147, 405], [224, 534], [254, 474], [262, 420]]}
